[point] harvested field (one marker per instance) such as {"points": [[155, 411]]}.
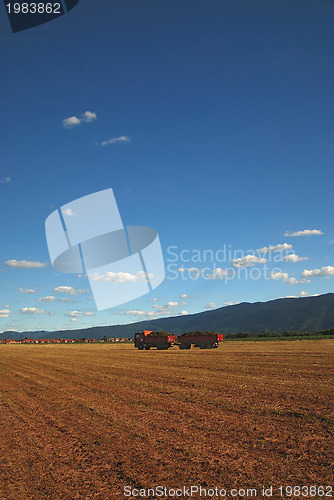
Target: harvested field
{"points": [[82, 421]]}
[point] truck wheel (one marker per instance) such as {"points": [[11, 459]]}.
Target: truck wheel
{"points": [[147, 348]]}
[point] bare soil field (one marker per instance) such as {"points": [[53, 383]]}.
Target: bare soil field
{"points": [[83, 421]]}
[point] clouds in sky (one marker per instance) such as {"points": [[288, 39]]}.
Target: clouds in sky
{"points": [[26, 291], [294, 258], [133, 312], [305, 232], [114, 140], [69, 290], [4, 313], [159, 310], [217, 274], [25, 264], [248, 261], [275, 248], [79, 314], [50, 298], [315, 273], [120, 277], [69, 212], [5, 180], [286, 279], [74, 121], [211, 305], [34, 310]]}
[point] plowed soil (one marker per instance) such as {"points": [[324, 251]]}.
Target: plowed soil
{"points": [[83, 421]]}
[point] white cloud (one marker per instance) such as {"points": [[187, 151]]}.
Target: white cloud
{"points": [[139, 313], [4, 313], [5, 180], [226, 303], [211, 305], [166, 307], [50, 298], [114, 140], [300, 294], [193, 271], [112, 277], [183, 313], [294, 258], [315, 273], [33, 310], [285, 278], [275, 248], [25, 264], [69, 212], [69, 290], [73, 121], [88, 116], [65, 289], [27, 290], [119, 277], [305, 232], [184, 296], [248, 261], [159, 310], [218, 273], [78, 314]]}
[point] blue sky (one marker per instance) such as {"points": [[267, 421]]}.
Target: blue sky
{"points": [[219, 117]]}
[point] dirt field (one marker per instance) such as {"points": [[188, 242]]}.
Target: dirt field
{"points": [[84, 421]]}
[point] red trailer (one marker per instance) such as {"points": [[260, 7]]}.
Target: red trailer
{"points": [[148, 339], [203, 340]]}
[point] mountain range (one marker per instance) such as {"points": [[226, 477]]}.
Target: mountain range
{"points": [[289, 314]]}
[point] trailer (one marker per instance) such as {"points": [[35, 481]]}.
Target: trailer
{"points": [[165, 340], [203, 340], [148, 339]]}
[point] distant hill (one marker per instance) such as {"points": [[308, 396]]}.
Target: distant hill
{"points": [[296, 314]]}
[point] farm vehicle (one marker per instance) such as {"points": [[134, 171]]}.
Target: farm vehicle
{"points": [[203, 340], [164, 340], [148, 339]]}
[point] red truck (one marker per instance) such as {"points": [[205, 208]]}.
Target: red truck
{"points": [[148, 339], [164, 340], [203, 340]]}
